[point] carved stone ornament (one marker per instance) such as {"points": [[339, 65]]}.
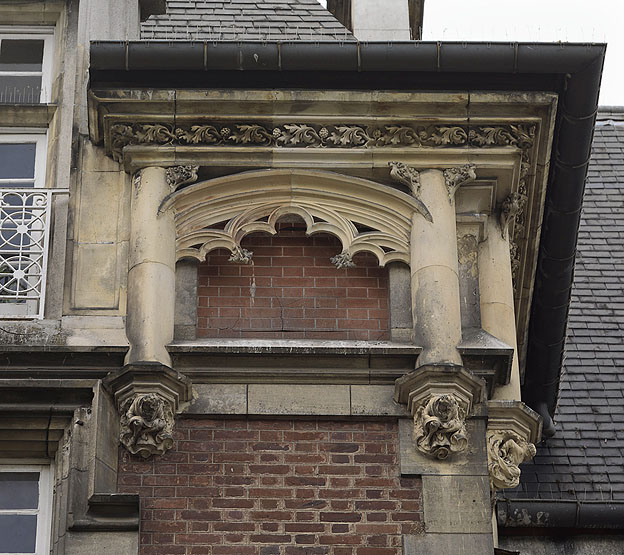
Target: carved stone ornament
{"points": [[181, 175], [455, 177], [410, 177], [511, 207], [506, 451], [240, 255], [343, 260], [440, 427], [146, 426]]}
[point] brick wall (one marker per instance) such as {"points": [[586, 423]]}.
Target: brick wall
{"points": [[292, 291], [275, 487]]}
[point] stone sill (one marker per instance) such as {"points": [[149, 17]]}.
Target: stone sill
{"points": [[292, 347]]}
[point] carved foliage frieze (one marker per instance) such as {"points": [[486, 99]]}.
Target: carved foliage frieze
{"points": [[506, 451], [440, 426], [146, 425]]}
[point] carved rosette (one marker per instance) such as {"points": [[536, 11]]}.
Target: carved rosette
{"points": [[181, 175], [146, 425], [455, 177], [440, 426], [506, 452]]}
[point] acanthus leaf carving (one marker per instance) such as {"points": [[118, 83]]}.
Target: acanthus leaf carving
{"points": [[439, 426], [181, 175], [506, 451], [146, 425], [455, 177], [410, 177]]}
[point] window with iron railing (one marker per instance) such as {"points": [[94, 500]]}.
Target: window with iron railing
{"points": [[25, 65], [24, 225]]}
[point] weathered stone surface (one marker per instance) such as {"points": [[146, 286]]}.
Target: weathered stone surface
{"points": [[575, 545], [102, 543], [455, 544], [219, 399], [375, 400], [457, 504], [185, 315], [281, 399], [399, 288]]}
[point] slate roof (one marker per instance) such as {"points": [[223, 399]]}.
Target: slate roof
{"points": [[244, 20], [585, 459]]}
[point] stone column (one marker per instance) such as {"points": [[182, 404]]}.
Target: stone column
{"points": [[151, 277], [434, 268], [497, 300]]}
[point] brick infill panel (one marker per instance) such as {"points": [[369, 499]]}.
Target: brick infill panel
{"points": [[275, 487], [292, 291]]}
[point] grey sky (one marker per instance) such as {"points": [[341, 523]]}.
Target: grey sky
{"points": [[536, 20]]}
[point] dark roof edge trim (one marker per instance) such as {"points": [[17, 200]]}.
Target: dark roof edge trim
{"points": [[538, 513]]}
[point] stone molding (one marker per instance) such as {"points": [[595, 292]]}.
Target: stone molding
{"points": [[181, 175], [440, 398], [147, 396], [512, 431]]}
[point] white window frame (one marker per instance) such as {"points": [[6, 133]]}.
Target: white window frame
{"points": [[30, 308], [39, 136], [44, 511], [34, 32]]}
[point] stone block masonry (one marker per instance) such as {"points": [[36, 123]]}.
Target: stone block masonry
{"points": [[275, 487], [292, 291]]}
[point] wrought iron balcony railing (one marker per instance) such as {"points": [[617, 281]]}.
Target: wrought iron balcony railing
{"points": [[24, 234]]}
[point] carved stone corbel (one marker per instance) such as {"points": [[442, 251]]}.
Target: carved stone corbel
{"points": [[181, 175], [455, 177], [410, 177], [513, 429], [440, 399], [512, 206], [147, 396], [146, 425]]}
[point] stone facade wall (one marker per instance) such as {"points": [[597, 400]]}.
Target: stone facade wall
{"points": [[275, 487], [299, 293]]}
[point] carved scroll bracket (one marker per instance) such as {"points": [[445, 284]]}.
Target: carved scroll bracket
{"points": [[513, 429], [181, 175], [147, 396], [456, 177], [511, 208], [440, 399]]}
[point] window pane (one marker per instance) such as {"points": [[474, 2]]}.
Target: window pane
{"points": [[19, 490], [16, 89], [18, 533], [17, 160], [21, 55]]}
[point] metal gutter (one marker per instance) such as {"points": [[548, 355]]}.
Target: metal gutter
{"points": [[572, 70], [538, 513]]}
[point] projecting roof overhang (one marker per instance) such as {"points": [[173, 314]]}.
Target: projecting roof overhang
{"points": [[571, 71]]}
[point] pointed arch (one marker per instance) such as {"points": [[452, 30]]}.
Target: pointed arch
{"points": [[327, 202]]}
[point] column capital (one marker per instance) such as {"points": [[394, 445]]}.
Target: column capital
{"points": [[410, 177], [511, 208], [457, 176], [181, 175]]}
